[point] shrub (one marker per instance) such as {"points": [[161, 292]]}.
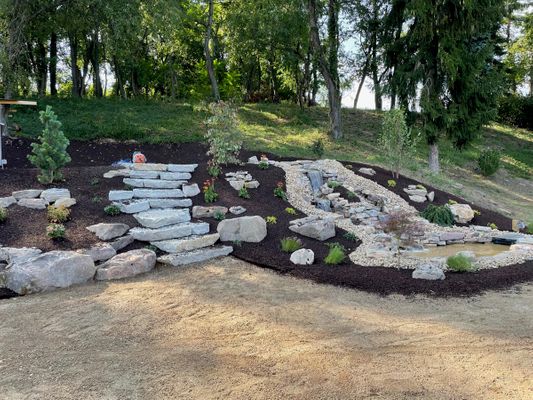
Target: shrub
{"points": [[350, 236], [291, 244], [222, 131], [243, 193], [279, 192], [317, 147], [333, 184], [3, 214], [112, 210], [351, 195], [219, 215], [459, 263], [97, 199], [94, 181], [50, 154], [492, 225], [516, 110], [396, 140], [58, 214], [489, 162], [477, 213], [213, 169], [271, 220], [290, 211], [263, 164], [451, 202], [210, 195], [391, 183], [336, 255], [56, 231], [440, 215]]}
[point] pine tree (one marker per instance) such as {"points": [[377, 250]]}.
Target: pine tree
{"points": [[50, 154]]}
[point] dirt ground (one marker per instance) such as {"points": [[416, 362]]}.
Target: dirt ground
{"points": [[230, 330]]}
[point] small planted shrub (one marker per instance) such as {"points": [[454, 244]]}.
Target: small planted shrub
{"points": [[333, 184], [223, 133], [440, 215], [243, 193], [271, 220], [280, 192], [97, 199], [56, 231], [317, 148], [219, 215], [350, 236], [492, 225], [210, 195], [213, 169], [263, 165], [336, 254], [112, 210], [459, 263], [290, 211], [50, 153], [291, 244], [489, 162], [351, 195], [58, 215], [3, 215], [477, 213], [94, 181], [451, 202], [391, 183]]}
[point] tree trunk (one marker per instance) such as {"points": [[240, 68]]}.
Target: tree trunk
{"points": [[53, 64], [434, 164], [42, 68], [95, 61], [328, 67], [74, 70], [361, 83], [208, 59]]}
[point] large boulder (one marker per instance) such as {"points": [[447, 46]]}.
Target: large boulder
{"points": [[48, 271], [100, 252], [18, 254], [303, 257], [244, 229], [429, 272], [127, 264], [51, 195], [462, 213], [108, 231], [26, 194], [314, 227], [5, 202]]}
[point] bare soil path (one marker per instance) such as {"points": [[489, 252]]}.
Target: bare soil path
{"points": [[229, 330]]}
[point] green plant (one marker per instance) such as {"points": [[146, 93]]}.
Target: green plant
{"points": [[55, 231], [151, 247], [290, 211], [333, 184], [3, 214], [95, 181], [50, 154], [459, 263], [280, 192], [350, 236], [492, 225], [451, 202], [477, 213], [291, 244], [210, 195], [351, 195], [219, 215], [336, 254], [213, 169], [440, 215], [489, 161], [419, 186], [391, 183], [396, 140], [263, 164], [112, 210], [222, 133], [58, 214], [243, 193], [271, 220], [529, 228], [237, 243], [97, 199], [317, 147]]}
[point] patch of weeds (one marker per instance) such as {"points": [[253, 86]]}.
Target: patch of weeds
{"points": [[290, 211], [460, 263], [451, 202], [94, 181], [112, 210], [291, 244], [391, 183], [349, 166], [492, 225], [213, 169], [58, 215], [280, 192], [151, 247], [97, 199], [336, 254], [128, 187], [351, 195], [477, 213], [422, 187], [243, 193], [271, 220], [56, 231], [317, 148], [333, 184], [350, 236], [489, 162]]}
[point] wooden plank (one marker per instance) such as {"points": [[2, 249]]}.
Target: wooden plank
{"points": [[19, 102]]}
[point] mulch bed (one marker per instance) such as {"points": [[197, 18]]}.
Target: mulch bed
{"points": [[91, 159]]}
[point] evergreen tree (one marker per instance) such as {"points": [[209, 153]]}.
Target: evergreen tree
{"points": [[50, 155]]}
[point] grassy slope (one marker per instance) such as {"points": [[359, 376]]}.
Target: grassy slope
{"points": [[287, 130]]}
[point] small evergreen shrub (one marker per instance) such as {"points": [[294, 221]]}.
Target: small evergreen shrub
{"points": [[55, 231], [50, 154], [317, 148], [3, 215], [219, 216], [243, 193], [391, 183], [489, 162], [271, 220], [459, 263], [112, 210], [58, 215], [263, 165], [97, 199], [440, 215], [350, 236], [94, 181], [291, 244], [351, 195], [333, 184], [290, 211], [336, 254]]}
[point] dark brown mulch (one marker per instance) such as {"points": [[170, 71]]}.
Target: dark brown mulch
{"points": [[26, 227]]}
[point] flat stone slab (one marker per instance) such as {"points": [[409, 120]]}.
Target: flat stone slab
{"points": [[108, 231], [314, 227], [116, 173], [237, 210], [157, 193], [51, 195], [195, 256], [127, 264], [170, 203], [5, 202], [208, 212], [133, 206], [18, 254], [191, 190], [144, 174], [36, 204], [187, 244], [162, 217], [121, 242], [175, 176], [182, 167], [100, 252], [117, 195], [65, 202], [148, 167], [169, 232], [26, 194], [153, 183]]}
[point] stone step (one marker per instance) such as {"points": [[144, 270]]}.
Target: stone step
{"points": [[153, 183], [175, 176], [177, 231], [170, 203], [162, 217], [133, 206], [158, 193], [181, 167], [195, 256], [186, 244]]}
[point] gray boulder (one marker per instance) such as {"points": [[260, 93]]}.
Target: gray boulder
{"points": [[169, 232], [237, 210], [462, 213], [35, 204], [48, 271], [121, 242], [162, 217], [127, 264], [182, 167], [100, 252], [170, 203], [14, 254], [65, 202], [51, 195], [191, 190], [245, 229], [208, 212], [367, 171], [117, 195], [195, 256], [314, 227], [5, 202], [429, 272], [108, 231], [186, 244], [303, 257], [26, 194]]}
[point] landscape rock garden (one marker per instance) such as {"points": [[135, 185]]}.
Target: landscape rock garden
{"points": [[321, 220]]}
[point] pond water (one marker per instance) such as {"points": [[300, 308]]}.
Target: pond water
{"points": [[479, 249]]}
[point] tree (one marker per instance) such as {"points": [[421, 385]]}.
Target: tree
{"points": [[207, 50]]}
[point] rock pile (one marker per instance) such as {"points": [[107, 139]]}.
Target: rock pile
{"points": [[240, 179], [419, 194], [38, 199]]}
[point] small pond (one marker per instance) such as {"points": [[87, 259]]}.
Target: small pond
{"points": [[479, 249]]}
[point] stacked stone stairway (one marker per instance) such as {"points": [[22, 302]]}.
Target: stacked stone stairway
{"points": [[160, 201]]}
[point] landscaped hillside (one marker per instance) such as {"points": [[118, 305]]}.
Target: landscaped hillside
{"points": [[287, 130]]}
